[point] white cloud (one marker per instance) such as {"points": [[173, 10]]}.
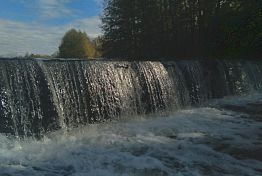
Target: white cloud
{"points": [[48, 9], [17, 38], [54, 8]]}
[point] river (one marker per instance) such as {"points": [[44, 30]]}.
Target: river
{"points": [[220, 137]]}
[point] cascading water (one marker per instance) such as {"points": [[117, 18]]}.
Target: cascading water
{"points": [[40, 100], [25, 105], [37, 96]]}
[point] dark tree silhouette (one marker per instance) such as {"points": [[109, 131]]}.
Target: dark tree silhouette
{"points": [[182, 28]]}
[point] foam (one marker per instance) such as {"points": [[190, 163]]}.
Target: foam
{"points": [[197, 141]]}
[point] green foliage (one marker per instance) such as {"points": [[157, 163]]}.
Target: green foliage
{"points": [[76, 44], [182, 28], [244, 29]]}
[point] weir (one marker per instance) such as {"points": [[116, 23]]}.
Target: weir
{"points": [[38, 95]]}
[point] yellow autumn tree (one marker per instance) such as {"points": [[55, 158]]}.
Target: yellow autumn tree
{"points": [[76, 44]]}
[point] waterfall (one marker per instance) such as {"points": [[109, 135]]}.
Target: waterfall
{"points": [[38, 96]]}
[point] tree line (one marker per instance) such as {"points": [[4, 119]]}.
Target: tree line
{"points": [[182, 28], [167, 29]]}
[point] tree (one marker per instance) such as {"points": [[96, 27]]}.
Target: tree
{"points": [[97, 42], [182, 28], [76, 44]]}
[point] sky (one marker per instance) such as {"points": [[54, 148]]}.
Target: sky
{"points": [[37, 26]]}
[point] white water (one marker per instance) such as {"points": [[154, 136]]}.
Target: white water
{"points": [[188, 142]]}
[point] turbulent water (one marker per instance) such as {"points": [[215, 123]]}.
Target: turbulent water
{"points": [[209, 140], [38, 96], [72, 117]]}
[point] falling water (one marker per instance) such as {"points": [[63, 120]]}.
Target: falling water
{"points": [[37, 96]]}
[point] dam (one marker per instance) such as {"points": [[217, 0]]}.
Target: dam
{"points": [[39, 95], [146, 118]]}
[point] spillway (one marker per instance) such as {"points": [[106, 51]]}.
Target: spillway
{"points": [[39, 95]]}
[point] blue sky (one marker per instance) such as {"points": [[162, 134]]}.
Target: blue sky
{"points": [[37, 26]]}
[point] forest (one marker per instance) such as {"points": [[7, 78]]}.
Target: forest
{"points": [[148, 29]]}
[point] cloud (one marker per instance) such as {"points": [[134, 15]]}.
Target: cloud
{"points": [[17, 38], [48, 9], [54, 8]]}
